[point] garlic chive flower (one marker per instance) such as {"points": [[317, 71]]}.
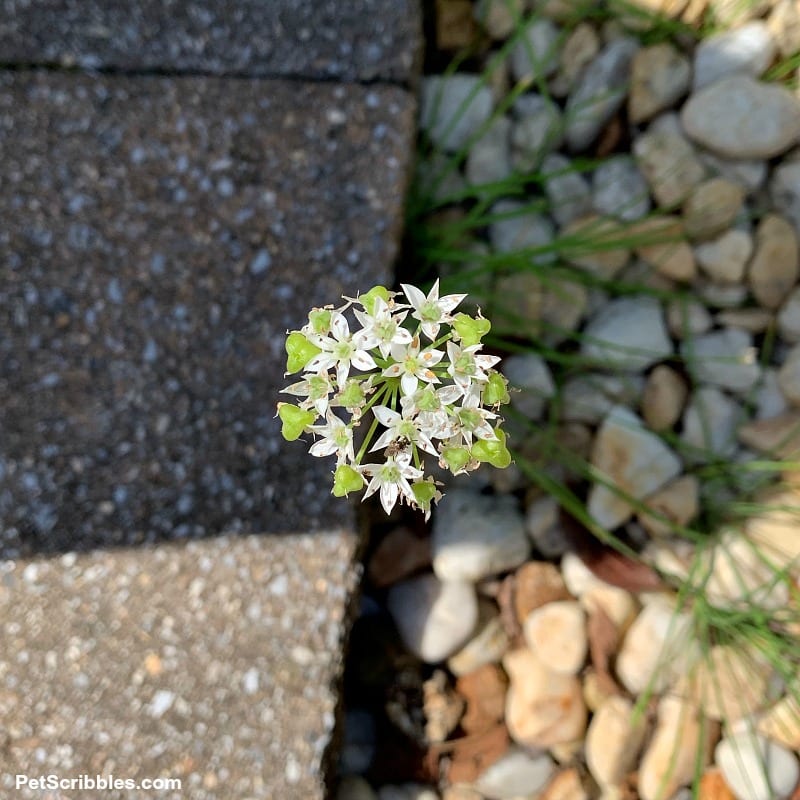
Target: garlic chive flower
{"points": [[413, 401]]}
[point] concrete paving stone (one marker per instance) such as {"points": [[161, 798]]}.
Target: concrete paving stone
{"points": [[159, 237], [212, 662], [352, 40]]}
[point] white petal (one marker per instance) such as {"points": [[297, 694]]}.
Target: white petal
{"points": [[450, 301], [426, 444], [386, 416], [342, 371], [414, 295], [374, 485], [449, 394], [362, 360], [430, 329], [408, 383], [324, 447], [384, 440], [365, 339], [389, 493], [433, 294], [430, 358], [402, 336], [392, 371], [321, 361], [339, 327]]}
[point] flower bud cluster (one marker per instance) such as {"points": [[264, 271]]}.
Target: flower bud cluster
{"points": [[413, 374]]}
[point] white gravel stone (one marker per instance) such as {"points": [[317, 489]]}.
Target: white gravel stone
{"points": [[789, 318], [620, 190], [529, 373], [434, 618], [657, 648], [725, 258], [769, 398], [739, 117], [599, 92], [709, 425], [628, 334], [489, 159], [784, 191], [748, 49], [725, 358], [453, 108], [556, 633], [756, 768], [721, 295], [669, 164], [522, 229], [687, 317], [566, 189], [544, 529], [634, 460], [516, 774], [749, 174], [613, 740], [537, 130], [588, 398], [536, 53], [475, 536]]}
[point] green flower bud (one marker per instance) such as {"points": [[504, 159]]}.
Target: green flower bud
{"points": [[300, 351], [368, 299], [493, 452], [425, 492], [470, 330], [295, 420], [455, 458], [495, 393], [346, 480], [352, 396], [320, 320]]}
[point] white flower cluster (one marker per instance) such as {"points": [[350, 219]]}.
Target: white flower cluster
{"points": [[418, 369]]}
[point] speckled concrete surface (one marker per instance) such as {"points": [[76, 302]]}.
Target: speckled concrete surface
{"points": [[352, 40], [213, 662], [159, 236]]}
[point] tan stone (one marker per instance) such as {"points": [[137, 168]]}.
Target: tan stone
{"points": [[784, 25], [729, 683], [778, 436], [565, 785], [670, 166], [521, 309], [613, 740], [775, 530], [678, 501], [663, 398], [687, 317], [543, 708], [753, 320], [656, 649], [660, 75], [775, 267], [597, 245], [579, 48], [618, 604], [487, 644], [712, 786], [556, 633], [781, 722], [664, 247], [677, 744], [711, 208], [535, 584]]}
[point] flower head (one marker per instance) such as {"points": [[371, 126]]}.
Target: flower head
{"points": [[424, 401]]}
